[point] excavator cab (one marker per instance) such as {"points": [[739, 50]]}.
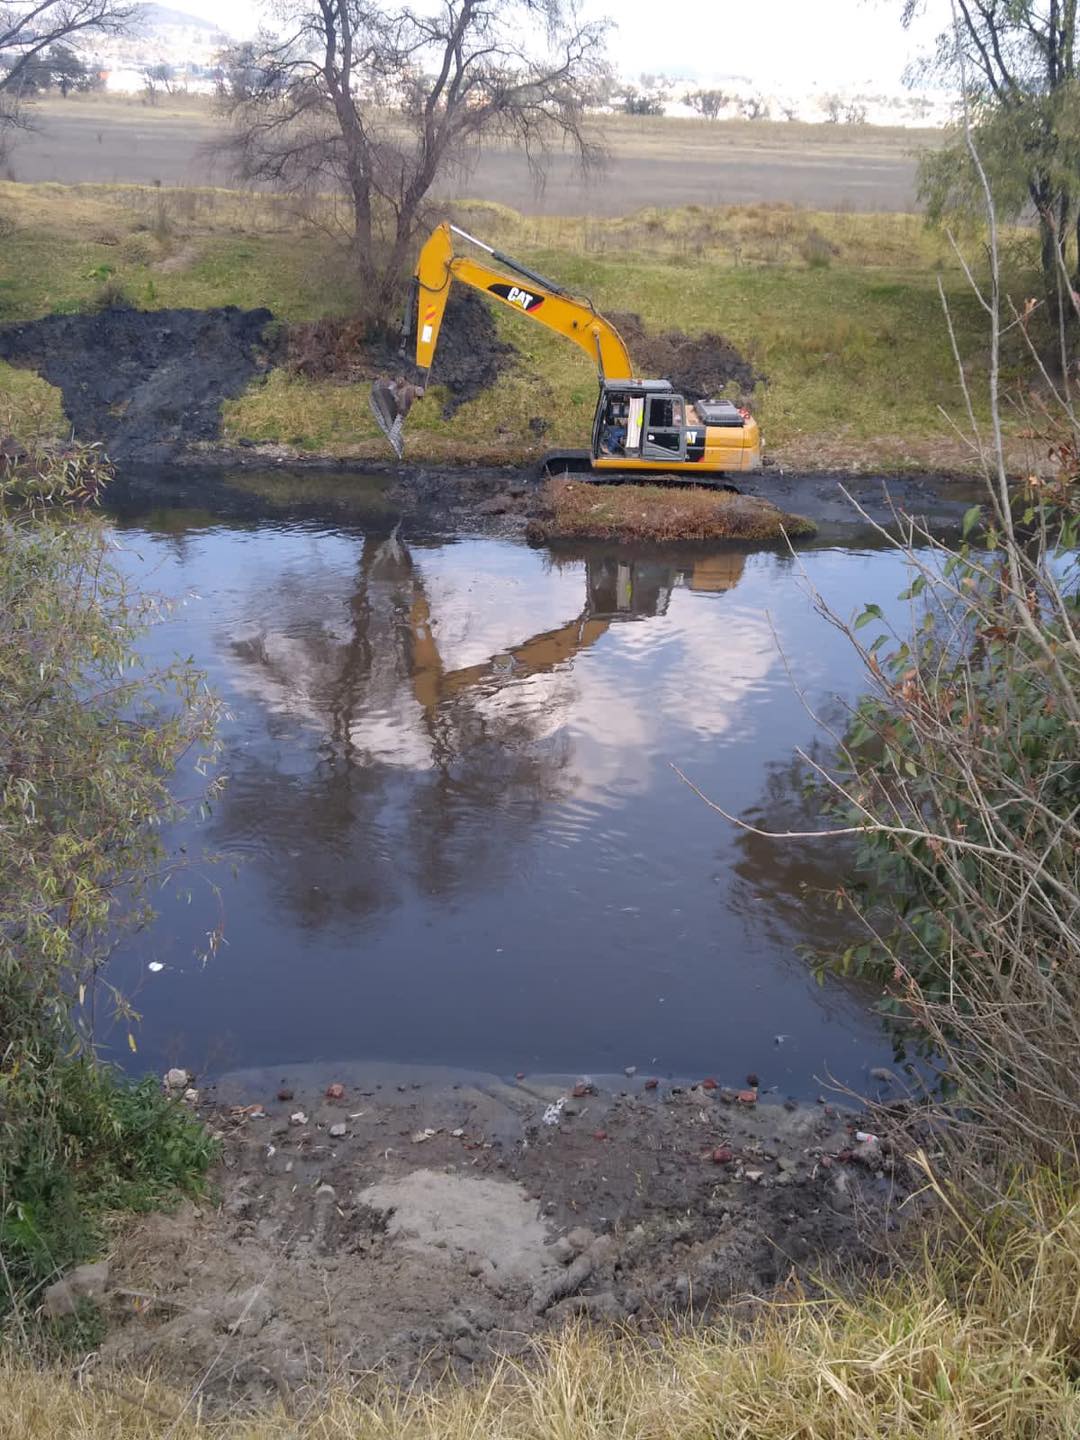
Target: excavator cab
{"points": [[646, 424], [639, 420]]}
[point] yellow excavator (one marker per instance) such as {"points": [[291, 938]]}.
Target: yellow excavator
{"points": [[641, 429]]}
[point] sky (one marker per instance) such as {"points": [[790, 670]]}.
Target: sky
{"points": [[795, 45]]}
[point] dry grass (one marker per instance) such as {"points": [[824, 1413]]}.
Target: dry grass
{"points": [[29, 406], [587, 511], [977, 1342]]}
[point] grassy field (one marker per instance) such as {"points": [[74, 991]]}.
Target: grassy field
{"points": [[651, 160], [840, 311]]}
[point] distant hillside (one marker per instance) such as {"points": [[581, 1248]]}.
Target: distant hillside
{"points": [[162, 17]]}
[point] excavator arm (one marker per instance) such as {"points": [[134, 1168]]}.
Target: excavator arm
{"points": [[515, 286], [522, 290]]}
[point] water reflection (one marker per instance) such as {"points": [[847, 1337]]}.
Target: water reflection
{"points": [[477, 737], [378, 681], [462, 841]]}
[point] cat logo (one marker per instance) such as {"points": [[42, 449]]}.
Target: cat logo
{"points": [[514, 295]]}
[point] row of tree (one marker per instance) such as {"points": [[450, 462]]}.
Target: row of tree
{"points": [[58, 68], [654, 96]]}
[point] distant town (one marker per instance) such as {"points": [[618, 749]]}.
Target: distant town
{"points": [[172, 51]]}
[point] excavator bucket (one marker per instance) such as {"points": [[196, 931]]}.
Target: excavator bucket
{"points": [[384, 407]]}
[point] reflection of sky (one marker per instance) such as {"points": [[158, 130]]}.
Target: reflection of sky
{"points": [[511, 876], [485, 599]]}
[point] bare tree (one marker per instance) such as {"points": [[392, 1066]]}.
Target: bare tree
{"points": [[832, 107], [29, 28], [157, 78], [708, 103], [379, 102], [754, 107]]}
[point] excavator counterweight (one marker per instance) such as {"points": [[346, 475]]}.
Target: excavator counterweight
{"points": [[641, 428]]}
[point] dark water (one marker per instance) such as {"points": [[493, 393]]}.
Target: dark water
{"points": [[457, 834]]}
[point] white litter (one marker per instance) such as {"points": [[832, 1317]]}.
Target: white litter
{"points": [[553, 1113], [155, 965]]}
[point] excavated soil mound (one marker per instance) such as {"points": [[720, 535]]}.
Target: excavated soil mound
{"points": [[146, 382], [699, 366], [470, 356]]}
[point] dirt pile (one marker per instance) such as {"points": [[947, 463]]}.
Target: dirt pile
{"points": [[572, 510], [699, 366], [469, 359], [145, 382], [414, 1221]]}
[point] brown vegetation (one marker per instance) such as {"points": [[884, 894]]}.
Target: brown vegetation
{"points": [[582, 510]]}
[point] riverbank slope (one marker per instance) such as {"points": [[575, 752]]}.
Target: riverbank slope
{"points": [[835, 320]]}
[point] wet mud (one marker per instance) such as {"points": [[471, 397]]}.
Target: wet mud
{"points": [[420, 1221], [146, 383], [699, 366], [469, 360], [508, 500]]}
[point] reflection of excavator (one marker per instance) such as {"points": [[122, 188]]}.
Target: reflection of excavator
{"points": [[641, 427], [616, 590]]}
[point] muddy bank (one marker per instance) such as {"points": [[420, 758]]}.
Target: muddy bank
{"points": [[419, 1220], [149, 384], [469, 360], [698, 366], [506, 499], [146, 383], [571, 510]]}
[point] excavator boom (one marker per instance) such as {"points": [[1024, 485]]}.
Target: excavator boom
{"points": [[522, 290]]}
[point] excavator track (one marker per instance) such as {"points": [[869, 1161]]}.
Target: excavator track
{"points": [[577, 465]]}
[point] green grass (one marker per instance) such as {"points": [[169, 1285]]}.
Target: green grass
{"points": [[29, 406], [841, 312], [79, 1145]]}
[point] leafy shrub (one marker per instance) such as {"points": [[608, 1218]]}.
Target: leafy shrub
{"points": [[816, 250], [139, 248], [960, 773], [111, 294], [88, 739]]}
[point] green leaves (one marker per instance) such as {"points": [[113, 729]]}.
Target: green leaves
{"points": [[88, 740], [965, 760]]}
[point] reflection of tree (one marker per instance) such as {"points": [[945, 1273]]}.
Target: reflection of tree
{"points": [[787, 888], [421, 769]]}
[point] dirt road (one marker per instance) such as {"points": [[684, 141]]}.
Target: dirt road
{"points": [[653, 162]]}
